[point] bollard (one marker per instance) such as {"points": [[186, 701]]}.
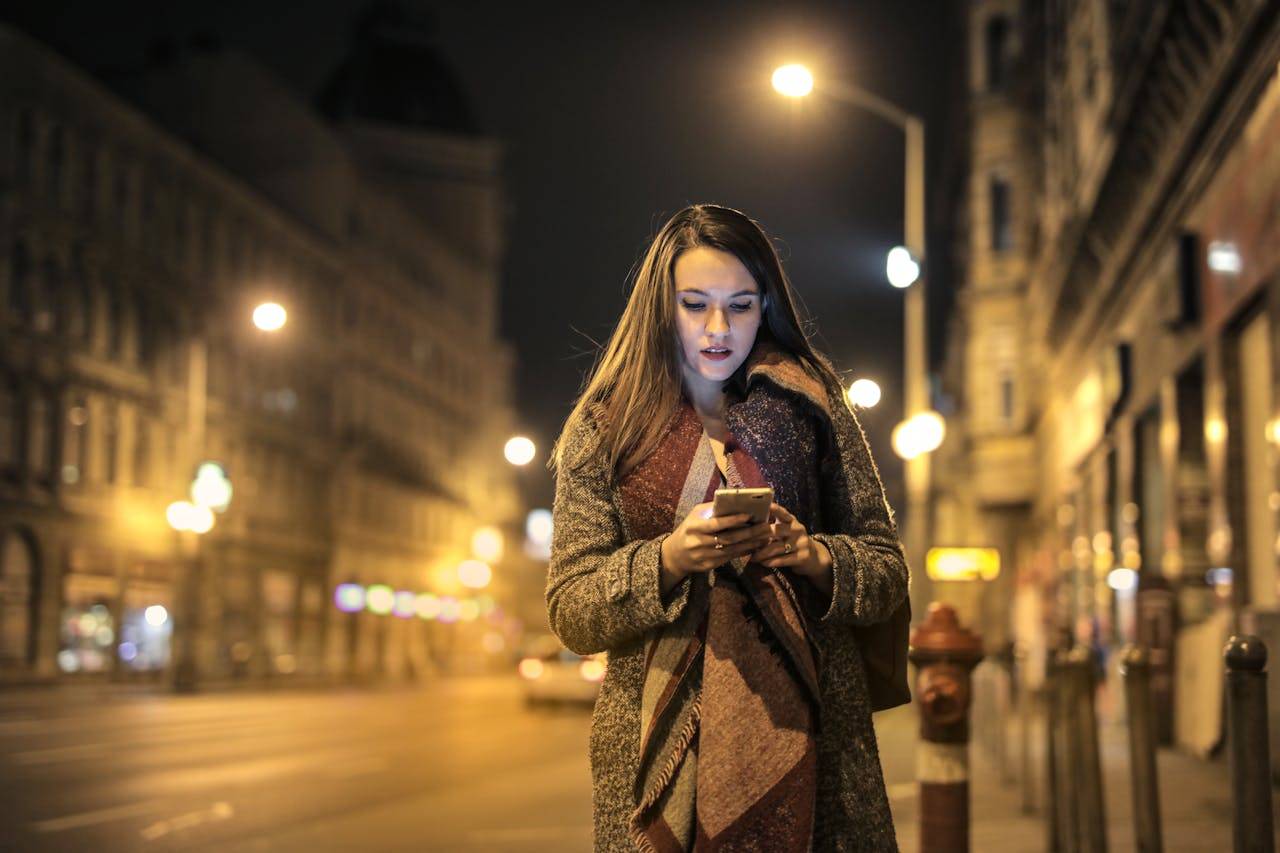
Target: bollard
{"points": [[1053, 757], [1246, 658], [945, 655], [1092, 803], [1068, 747], [1136, 668]]}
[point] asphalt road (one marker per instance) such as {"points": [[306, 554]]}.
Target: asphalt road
{"points": [[460, 765]]}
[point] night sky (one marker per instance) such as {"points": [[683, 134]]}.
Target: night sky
{"points": [[613, 121]]}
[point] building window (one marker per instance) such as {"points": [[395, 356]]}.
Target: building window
{"points": [[89, 184], [997, 37], [1006, 398], [9, 427], [1001, 226], [19, 296], [56, 175], [142, 451], [78, 300], [111, 443], [26, 133], [40, 436], [44, 298], [75, 450]]}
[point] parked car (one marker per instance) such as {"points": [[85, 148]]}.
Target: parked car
{"points": [[550, 673]]}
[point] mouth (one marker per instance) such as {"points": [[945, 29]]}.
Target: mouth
{"points": [[716, 353]]}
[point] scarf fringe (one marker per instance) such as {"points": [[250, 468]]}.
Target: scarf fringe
{"points": [[664, 778]]}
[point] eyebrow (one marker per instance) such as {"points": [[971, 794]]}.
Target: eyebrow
{"points": [[704, 293]]}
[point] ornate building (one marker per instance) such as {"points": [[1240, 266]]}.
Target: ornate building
{"points": [[1115, 354], [363, 441]]}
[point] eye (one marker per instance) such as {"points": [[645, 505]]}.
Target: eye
{"points": [[740, 307], [693, 306]]}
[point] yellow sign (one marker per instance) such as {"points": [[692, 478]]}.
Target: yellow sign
{"points": [[962, 564]]}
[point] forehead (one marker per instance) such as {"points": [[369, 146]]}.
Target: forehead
{"points": [[712, 270]]}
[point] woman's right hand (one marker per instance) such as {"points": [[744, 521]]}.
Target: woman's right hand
{"points": [[692, 546]]}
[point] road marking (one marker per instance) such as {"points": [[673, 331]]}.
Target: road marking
{"points": [[357, 767], [221, 810], [23, 726], [60, 753], [75, 821]]}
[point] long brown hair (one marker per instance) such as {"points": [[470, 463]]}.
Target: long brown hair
{"points": [[635, 386]]}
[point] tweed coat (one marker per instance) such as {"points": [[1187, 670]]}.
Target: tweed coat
{"points": [[603, 594]]}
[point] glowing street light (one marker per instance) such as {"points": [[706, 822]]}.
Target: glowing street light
{"points": [[185, 515], [474, 574], [901, 269], [270, 316], [211, 487], [920, 434], [519, 450], [486, 543], [864, 393], [794, 81]]}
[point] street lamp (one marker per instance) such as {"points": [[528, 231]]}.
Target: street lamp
{"points": [[789, 80], [519, 450], [210, 490], [863, 393]]}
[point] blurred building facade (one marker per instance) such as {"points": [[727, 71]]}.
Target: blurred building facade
{"points": [[363, 441], [1114, 349]]}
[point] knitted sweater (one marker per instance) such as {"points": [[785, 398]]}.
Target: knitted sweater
{"points": [[603, 594]]}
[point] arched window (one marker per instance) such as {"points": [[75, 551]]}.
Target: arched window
{"points": [[996, 53], [17, 600], [19, 296]]}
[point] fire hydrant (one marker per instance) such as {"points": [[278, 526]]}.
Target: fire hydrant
{"points": [[944, 654]]}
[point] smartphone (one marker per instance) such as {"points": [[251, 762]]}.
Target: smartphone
{"points": [[754, 502]]}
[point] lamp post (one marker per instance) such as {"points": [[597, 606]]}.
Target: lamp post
{"points": [[796, 81], [209, 491]]}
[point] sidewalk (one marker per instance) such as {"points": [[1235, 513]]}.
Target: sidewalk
{"points": [[1195, 795]]}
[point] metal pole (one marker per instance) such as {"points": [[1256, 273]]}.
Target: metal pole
{"points": [[1136, 667], [916, 355], [1246, 658], [1053, 759], [187, 580], [1068, 754], [1093, 831]]}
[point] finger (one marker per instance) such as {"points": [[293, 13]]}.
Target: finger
{"points": [[744, 534], [781, 512], [724, 522]]}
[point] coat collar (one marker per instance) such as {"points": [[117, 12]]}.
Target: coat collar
{"points": [[771, 363]]}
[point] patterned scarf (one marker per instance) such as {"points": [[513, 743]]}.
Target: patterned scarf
{"points": [[730, 701]]}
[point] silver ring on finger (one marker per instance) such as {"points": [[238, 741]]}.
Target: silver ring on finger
{"points": [[788, 548], [719, 545]]}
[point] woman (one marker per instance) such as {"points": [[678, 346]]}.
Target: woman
{"points": [[735, 711]]}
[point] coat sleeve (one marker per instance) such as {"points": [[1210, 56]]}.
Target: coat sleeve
{"points": [[868, 562], [602, 591]]}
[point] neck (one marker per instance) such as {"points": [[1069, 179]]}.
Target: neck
{"points": [[707, 397]]}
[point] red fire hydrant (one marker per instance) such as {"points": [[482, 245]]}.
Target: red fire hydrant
{"points": [[944, 654]]}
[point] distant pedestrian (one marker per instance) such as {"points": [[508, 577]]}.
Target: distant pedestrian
{"points": [[744, 660]]}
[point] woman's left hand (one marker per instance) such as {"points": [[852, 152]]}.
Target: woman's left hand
{"points": [[792, 546]]}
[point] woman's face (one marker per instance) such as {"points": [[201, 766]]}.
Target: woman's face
{"points": [[718, 311]]}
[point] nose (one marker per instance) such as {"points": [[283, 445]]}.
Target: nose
{"points": [[717, 322]]}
